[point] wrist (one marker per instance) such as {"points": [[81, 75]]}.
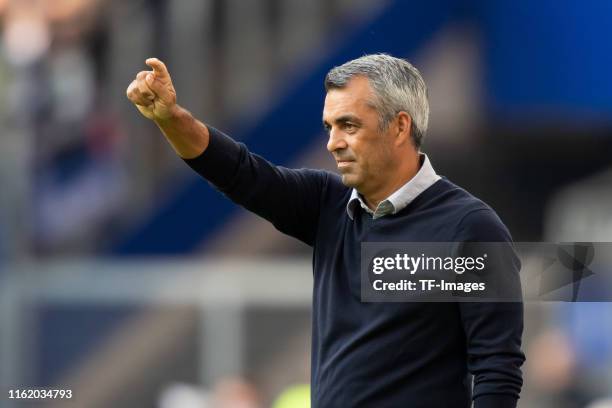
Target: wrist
{"points": [[173, 114]]}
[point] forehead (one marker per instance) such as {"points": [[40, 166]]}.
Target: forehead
{"points": [[356, 97]]}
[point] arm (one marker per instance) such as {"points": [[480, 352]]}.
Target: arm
{"points": [[493, 329], [288, 198]]}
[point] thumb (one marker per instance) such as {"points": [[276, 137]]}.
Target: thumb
{"points": [[159, 68], [158, 87]]}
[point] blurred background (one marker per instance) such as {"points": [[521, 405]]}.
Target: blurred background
{"points": [[126, 278]]}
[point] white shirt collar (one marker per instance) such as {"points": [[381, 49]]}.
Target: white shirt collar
{"points": [[425, 177]]}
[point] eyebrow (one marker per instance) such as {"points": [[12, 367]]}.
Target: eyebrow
{"points": [[343, 119]]}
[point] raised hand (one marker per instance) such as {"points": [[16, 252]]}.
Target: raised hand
{"points": [[153, 93]]}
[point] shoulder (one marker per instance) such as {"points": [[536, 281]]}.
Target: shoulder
{"points": [[329, 185], [483, 225], [336, 194], [476, 220], [330, 182]]}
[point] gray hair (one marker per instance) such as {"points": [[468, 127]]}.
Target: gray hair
{"points": [[397, 84]]}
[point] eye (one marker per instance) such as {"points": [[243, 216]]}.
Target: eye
{"points": [[350, 127]]}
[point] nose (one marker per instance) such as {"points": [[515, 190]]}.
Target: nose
{"points": [[336, 141]]}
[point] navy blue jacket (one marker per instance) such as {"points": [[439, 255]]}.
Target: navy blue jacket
{"points": [[410, 354]]}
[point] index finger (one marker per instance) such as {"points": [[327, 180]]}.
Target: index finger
{"points": [[158, 67]]}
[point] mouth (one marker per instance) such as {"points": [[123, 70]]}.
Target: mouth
{"points": [[344, 163]]}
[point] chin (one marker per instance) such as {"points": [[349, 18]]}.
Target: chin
{"points": [[350, 180]]}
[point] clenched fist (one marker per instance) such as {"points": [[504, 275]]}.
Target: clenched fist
{"points": [[153, 93]]}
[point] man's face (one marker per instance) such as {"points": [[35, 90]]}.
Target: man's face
{"points": [[362, 152]]}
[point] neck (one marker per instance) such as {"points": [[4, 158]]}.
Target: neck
{"points": [[397, 178]]}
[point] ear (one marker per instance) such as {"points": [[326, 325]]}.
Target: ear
{"points": [[404, 124]]}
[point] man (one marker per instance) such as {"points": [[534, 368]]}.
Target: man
{"points": [[367, 354]]}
